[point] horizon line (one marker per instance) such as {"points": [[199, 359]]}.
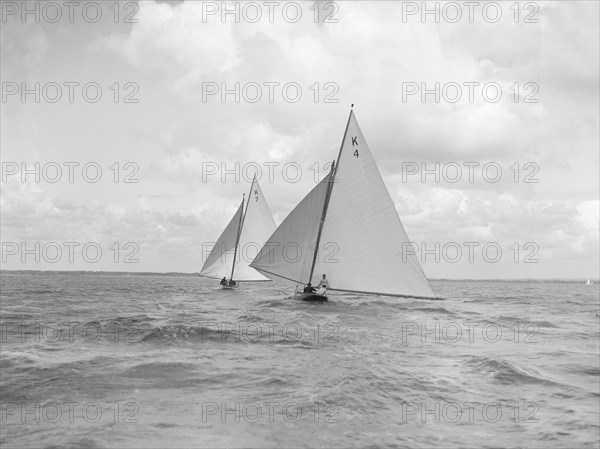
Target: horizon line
{"points": [[2, 271]]}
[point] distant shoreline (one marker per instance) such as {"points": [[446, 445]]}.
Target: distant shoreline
{"points": [[174, 273], [101, 273]]}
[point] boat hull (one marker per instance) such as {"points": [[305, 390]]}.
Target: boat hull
{"points": [[312, 297], [227, 287]]}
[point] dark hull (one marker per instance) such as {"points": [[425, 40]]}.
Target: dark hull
{"points": [[312, 297]]}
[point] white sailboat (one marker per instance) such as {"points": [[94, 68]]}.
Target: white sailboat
{"points": [[240, 241], [351, 220], [589, 282]]}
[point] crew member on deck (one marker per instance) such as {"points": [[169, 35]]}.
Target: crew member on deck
{"points": [[309, 288], [223, 281], [324, 282], [232, 283]]}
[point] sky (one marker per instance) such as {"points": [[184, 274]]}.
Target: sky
{"points": [[130, 131]]}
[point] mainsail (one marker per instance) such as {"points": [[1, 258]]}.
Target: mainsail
{"points": [[249, 229], [288, 253], [363, 246]]}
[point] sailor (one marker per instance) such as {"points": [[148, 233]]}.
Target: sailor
{"points": [[232, 283], [309, 288], [322, 287], [223, 281], [324, 282]]}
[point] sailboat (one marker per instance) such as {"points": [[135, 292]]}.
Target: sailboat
{"points": [[589, 282], [348, 228], [240, 241]]}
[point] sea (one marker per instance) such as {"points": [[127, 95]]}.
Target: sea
{"points": [[97, 360]]}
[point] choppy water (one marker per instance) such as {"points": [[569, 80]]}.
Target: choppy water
{"points": [[170, 361]]}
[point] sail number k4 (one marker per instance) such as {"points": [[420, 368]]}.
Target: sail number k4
{"points": [[354, 142]]}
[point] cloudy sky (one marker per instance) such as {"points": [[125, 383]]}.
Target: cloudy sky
{"points": [[177, 104]]}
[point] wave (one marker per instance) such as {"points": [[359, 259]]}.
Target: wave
{"points": [[504, 372], [252, 318], [41, 291], [179, 333], [543, 323], [81, 443], [403, 305], [155, 370], [232, 333], [18, 359], [436, 310], [590, 371], [25, 381]]}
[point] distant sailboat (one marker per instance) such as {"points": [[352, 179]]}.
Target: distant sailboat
{"points": [[589, 282], [240, 241], [351, 220]]}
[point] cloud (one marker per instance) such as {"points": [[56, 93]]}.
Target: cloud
{"points": [[176, 132]]}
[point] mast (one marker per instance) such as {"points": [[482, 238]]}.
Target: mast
{"points": [[334, 168], [242, 220], [323, 213], [237, 240], [247, 204]]}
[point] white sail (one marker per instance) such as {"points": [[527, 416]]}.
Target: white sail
{"points": [[363, 245], [219, 262], [288, 253], [368, 247], [257, 225]]}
